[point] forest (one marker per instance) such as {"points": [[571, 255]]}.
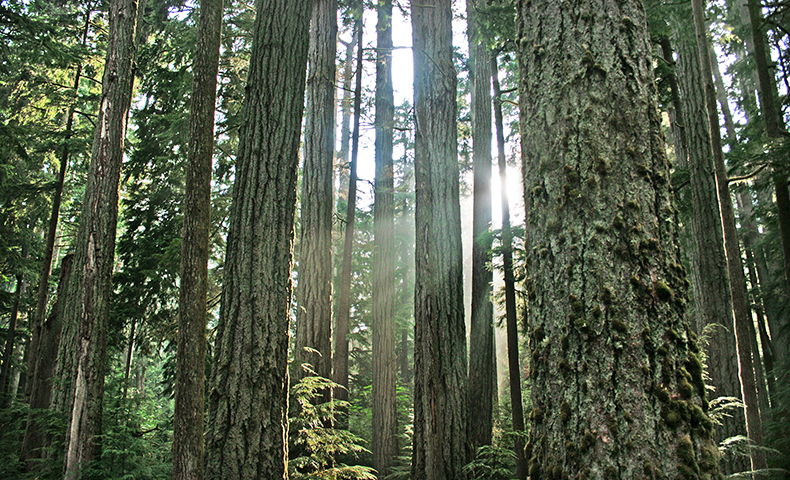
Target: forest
{"points": [[390, 239]]}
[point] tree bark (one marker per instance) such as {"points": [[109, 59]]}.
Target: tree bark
{"points": [[511, 314], [743, 314], [617, 388], [314, 290], [248, 396], [482, 366], [340, 358], [385, 367], [35, 434], [189, 410], [83, 349], [440, 449], [6, 398], [713, 304]]}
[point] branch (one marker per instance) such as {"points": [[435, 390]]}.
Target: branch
{"points": [[143, 432], [747, 177]]}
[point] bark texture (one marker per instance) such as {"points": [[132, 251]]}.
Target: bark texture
{"points": [[49, 338], [248, 396], [83, 349], [712, 298], [385, 367], [482, 367], [440, 449], [314, 290], [188, 446], [617, 388]]}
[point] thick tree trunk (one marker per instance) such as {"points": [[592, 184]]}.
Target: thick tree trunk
{"points": [[385, 367], [342, 326], [511, 315], [83, 349], [743, 314], [440, 449], [617, 387], [248, 397], [35, 434], [482, 366], [314, 290], [189, 410], [712, 297]]}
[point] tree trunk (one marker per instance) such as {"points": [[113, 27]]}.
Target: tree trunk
{"points": [[385, 368], [41, 380], [511, 315], [340, 358], [83, 349], [743, 314], [314, 291], [482, 366], [440, 449], [248, 396], [774, 125], [6, 399], [713, 304], [617, 388], [189, 409]]}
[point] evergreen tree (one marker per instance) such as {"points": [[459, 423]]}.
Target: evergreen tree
{"points": [[616, 382], [247, 411], [440, 448], [82, 352], [188, 448], [385, 368]]}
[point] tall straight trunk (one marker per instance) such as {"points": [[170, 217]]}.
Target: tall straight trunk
{"points": [[189, 410], [511, 314], [774, 125], [340, 358], [440, 448], [346, 107], [36, 438], [129, 352], [482, 366], [616, 382], [42, 295], [83, 350], [743, 315], [385, 367], [248, 392], [8, 352], [314, 292], [712, 298]]}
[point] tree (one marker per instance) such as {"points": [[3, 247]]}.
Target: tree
{"points": [[712, 298], [385, 368], [508, 274], [482, 366], [616, 382], [188, 447], [82, 351], [247, 414], [439, 447], [314, 291], [342, 328]]}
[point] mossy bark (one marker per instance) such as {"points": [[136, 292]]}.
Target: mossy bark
{"points": [[314, 291], [248, 392], [440, 449], [482, 366], [189, 410], [385, 367], [617, 388], [82, 351]]}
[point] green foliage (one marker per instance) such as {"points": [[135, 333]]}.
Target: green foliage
{"points": [[12, 423], [316, 439], [492, 463]]}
